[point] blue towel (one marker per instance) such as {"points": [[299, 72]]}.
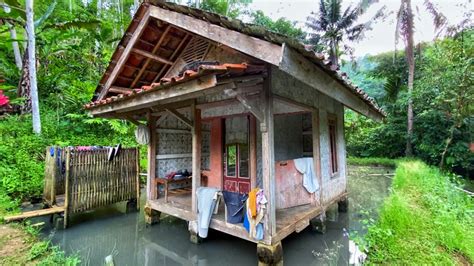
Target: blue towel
{"points": [[206, 197]]}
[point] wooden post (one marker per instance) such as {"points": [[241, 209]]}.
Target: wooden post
{"points": [[268, 158], [137, 152], [316, 154], [196, 153], [253, 151], [151, 168], [67, 191]]}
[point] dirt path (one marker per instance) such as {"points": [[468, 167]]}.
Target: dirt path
{"points": [[15, 245]]}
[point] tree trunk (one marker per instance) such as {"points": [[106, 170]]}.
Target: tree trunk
{"points": [[16, 48], [446, 146], [333, 54], [409, 51], [30, 29]]}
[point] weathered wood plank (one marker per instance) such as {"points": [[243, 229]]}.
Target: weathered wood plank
{"points": [[268, 158], [307, 72], [179, 116], [123, 58], [182, 91], [151, 56], [317, 155], [196, 150], [148, 60], [120, 90], [31, 214], [263, 50], [151, 168]]}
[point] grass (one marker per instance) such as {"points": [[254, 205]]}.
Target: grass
{"points": [[21, 245], [375, 161], [425, 220]]}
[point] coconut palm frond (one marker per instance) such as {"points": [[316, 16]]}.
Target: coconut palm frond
{"points": [[439, 19]]}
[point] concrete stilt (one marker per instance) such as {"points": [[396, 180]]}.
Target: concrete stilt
{"points": [[318, 224], [132, 206], [343, 205], [332, 213], [151, 216], [269, 254], [193, 233]]}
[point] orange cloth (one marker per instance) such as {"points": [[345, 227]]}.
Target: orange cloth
{"points": [[253, 202]]}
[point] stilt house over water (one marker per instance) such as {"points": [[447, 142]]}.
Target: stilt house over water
{"points": [[239, 108]]}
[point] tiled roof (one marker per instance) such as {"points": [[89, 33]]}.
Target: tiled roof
{"points": [[203, 70], [245, 28]]}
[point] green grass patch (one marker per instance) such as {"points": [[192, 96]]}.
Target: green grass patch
{"points": [[373, 161], [425, 220]]}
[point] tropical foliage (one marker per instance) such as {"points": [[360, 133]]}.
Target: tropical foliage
{"points": [[331, 27], [443, 105]]}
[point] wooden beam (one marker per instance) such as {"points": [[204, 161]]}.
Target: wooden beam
{"points": [[148, 60], [120, 90], [172, 57], [293, 103], [263, 50], [316, 156], [151, 56], [253, 151], [124, 56], [196, 151], [151, 168], [160, 119], [251, 107], [182, 91], [268, 159], [180, 117], [36, 213], [307, 72]]}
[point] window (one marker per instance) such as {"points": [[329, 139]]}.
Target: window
{"points": [[333, 144]]}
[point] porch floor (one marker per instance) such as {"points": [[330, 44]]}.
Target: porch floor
{"points": [[289, 220]]}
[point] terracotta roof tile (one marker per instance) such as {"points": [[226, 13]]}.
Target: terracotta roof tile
{"points": [[186, 76]]}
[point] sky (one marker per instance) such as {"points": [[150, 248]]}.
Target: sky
{"points": [[382, 37]]}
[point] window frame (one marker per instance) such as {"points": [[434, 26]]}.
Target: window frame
{"points": [[334, 164]]}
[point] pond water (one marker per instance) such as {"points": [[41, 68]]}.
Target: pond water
{"points": [[109, 231]]}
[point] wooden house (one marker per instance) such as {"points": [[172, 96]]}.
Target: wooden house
{"points": [[234, 104]]}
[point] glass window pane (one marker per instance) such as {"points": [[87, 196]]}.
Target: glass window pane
{"points": [[244, 160], [231, 159]]}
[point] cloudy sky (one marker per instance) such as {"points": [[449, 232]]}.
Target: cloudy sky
{"points": [[382, 37]]}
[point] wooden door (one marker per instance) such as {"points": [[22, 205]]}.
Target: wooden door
{"points": [[236, 168], [237, 155]]}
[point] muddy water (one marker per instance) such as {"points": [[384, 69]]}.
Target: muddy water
{"points": [[109, 231]]}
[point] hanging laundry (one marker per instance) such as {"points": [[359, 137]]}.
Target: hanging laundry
{"points": [[207, 198], [253, 202], [306, 167], [253, 224]]}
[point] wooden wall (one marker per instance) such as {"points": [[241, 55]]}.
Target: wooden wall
{"points": [[288, 87]]}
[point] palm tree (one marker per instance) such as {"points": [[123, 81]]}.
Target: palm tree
{"points": [[405, 29], [331, 26]]}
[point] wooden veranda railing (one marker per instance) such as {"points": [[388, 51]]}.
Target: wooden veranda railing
{"points": [[84, 179]]}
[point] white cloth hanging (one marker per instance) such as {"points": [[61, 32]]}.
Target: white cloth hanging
{"points": [[142, 135], [306, 167]]}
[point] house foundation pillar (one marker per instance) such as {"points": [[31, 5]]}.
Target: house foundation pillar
{"points": [[132, 206], [193, 233], [318, 224], [151, 216], [343, 204], [269, 254]]}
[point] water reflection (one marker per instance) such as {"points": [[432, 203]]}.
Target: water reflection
{"points": [[99, 233]]}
